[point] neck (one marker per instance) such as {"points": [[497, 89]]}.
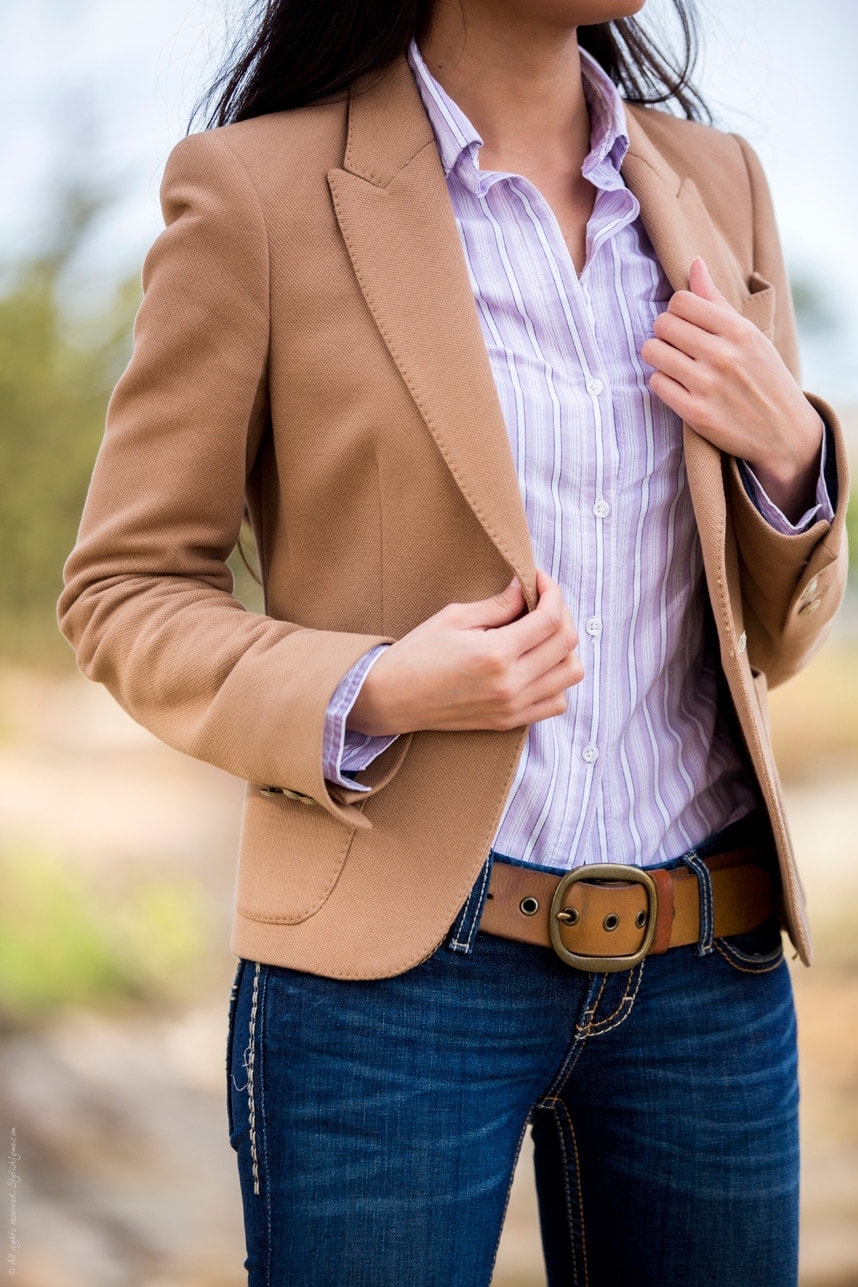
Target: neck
{"points": [[517, 79]]}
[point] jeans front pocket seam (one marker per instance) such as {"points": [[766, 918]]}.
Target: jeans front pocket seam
{"points": [[598, 1027], [745, 964]]}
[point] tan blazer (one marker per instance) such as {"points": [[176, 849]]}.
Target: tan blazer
{"points": [[308, 335]]}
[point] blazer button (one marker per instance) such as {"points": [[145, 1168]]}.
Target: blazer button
{"points": [[290, 795], [296, 795]]}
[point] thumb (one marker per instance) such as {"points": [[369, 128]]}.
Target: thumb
{"points": [[700, 283], [499, 610]]}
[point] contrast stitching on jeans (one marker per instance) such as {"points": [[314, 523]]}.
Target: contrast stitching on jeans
{"points": [[725, 944], [506, 1200], [250, 1059], [583, 1024], [472, 913], [571, 1059], [579, 1039], [592, 1022], [599, 1029], [567, 1193], [732, 957], [568, 1116], [551, 1104], [269, 1222]]}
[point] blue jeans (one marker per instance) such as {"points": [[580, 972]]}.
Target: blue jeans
{"points": [[377, 1124]]}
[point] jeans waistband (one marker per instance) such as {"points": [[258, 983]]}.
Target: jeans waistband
{"points": [[751, 829]]}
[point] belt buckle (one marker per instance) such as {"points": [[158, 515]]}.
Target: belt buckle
{"points": [[602, 872]]}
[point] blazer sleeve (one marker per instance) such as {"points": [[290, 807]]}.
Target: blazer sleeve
{"points": [[792, 585], [148, 602]]}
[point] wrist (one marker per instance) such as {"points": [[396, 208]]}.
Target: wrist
{"points": [[790, 478], [368, 715]]}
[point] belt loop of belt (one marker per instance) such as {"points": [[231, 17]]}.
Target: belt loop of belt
{"points": [[608, 917], [665, 910]]}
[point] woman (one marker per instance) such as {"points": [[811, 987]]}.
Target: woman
{"points": [[458, 314]]}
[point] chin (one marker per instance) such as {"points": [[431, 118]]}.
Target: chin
{"points": [[575, 13], [588, 12]]}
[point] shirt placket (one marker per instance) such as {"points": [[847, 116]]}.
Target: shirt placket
{"points": [[589, 422]]}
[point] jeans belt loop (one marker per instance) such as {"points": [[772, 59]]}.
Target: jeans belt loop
{"points": [[705, 943], [466, 924]]}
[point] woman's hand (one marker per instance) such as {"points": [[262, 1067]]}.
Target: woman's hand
{"points": [[475, 666], [718, 372]]}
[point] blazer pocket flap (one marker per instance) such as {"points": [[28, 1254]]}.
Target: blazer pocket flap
{"points": [[759, 306]]}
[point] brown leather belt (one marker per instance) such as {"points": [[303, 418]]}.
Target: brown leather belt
{"points": [[608, 917]]}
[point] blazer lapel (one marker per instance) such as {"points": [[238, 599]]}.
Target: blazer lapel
{"points": [[676, 220], [680, 229], [395, 216]]}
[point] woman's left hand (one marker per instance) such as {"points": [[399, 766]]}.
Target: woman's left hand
{"points": [[718, 372]]}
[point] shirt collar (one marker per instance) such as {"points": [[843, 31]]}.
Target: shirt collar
{"points": [[459, 142]]}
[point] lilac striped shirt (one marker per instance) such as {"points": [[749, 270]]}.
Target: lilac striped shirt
{"points": [[641, 766]]}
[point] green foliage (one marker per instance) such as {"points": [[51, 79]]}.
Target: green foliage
{"points": [[52, 948], [66, 938], [55, 379], [56, 375]]}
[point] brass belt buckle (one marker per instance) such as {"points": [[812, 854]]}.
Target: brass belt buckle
{"points": [[559, 915]]}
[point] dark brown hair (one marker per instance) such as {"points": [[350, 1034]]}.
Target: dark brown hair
{"points": [[296, 52]]}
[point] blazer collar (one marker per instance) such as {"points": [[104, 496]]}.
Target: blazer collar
{"points": [[680, 228]]}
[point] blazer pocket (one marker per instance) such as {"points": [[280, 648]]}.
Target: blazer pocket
{"points": [[290, 858], [759, 306]]}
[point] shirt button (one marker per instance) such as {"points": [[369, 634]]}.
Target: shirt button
{"points": [[601, 509], [595, 387], [590, 754], [593, 627]]}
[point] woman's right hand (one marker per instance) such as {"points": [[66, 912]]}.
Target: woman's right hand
{"points": [[475, 666]]}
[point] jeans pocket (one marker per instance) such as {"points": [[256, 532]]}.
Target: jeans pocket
{"points": [[230, 1040], [757, 951]]}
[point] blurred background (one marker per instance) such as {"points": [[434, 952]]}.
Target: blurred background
{"points": [[116, 854]]}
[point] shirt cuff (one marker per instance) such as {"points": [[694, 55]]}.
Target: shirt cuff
{"points": [[822, 509], [345, 752]]}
